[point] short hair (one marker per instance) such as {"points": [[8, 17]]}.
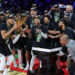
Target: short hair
{"points": [[47, 17], [69, 6], [65, 37], [33, 9], [37, 17]]}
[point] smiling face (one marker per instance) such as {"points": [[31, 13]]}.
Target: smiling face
{"points": [[64, 39], [46, 20], [57, 9], [37, 21], [33, 13], [11, 21]]}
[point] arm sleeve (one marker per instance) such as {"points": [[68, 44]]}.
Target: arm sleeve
{"points": [[44, 35]]}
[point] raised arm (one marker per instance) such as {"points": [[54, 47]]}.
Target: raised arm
{"points": [[5, 34]]}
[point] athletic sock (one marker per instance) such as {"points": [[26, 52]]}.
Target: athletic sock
{"points": [[32, 62], [27, 65], [19, 56]]}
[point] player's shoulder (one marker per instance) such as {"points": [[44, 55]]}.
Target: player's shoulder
{"points": [[3, 26]]}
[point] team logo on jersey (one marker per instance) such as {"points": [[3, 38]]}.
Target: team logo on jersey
{"points": [[39, 37]]}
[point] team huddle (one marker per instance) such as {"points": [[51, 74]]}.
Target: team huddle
{"points": [[25, 30]]}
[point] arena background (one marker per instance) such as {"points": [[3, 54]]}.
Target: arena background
{"points": [[26, 4]]}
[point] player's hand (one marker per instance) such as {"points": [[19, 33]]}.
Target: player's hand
{"points": [[13, 36], [56, 36], [38, 30], [51, 36], [23, 35], [53, 8], [15, 27], [24, 30]]}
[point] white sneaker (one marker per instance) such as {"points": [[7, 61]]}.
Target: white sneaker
{"points": [[20, 66], [33, 71], [5, 72], [26, 68]]}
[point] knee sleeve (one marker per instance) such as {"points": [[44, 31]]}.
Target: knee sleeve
{"points": [[2, 62], [10, 59]]}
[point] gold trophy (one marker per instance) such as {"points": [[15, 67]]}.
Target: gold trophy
{"points": [[20, 21]]}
